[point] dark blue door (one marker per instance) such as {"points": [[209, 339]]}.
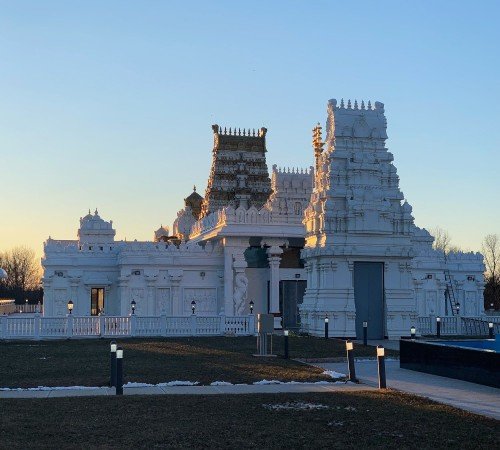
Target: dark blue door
{"points": [[369, 298]]}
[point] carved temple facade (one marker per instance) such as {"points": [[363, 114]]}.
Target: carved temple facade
{"points": [[337, 239]]}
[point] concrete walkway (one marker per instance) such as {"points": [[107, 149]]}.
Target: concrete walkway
{"points": [[391, 344], [190, 390], [471, 397]]}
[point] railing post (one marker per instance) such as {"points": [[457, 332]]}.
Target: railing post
{"points": [[102, 325], [163, 324], [222, 323], [459, 324], [69, 326], [3, 327], [133, 325], [251, 324], [193, 324], [36, 324]]}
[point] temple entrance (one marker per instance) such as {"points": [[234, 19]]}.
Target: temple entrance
{"points": [[96, 301], [369, 298], [291, 296]]}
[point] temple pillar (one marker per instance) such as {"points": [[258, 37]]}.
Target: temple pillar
{"points": [[274, 252], [235, 287], [175, 281], [228, 281]]}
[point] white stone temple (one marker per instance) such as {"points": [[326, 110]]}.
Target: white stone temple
{"points": [[336, 240]]}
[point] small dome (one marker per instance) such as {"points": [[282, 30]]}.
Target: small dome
{"points": [[94, 222], [407, 207], [194, 201], [194, 196], [161, 233]]}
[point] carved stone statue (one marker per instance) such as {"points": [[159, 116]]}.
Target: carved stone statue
{"points": [[240, 293]]}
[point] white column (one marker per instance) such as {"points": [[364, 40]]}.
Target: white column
{"points": [[150, 282], [274, 281], [228, 281], [123, 308], [175, 281]]}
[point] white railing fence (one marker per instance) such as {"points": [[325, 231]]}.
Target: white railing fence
{"points": [[458, 325], [40, 327]]}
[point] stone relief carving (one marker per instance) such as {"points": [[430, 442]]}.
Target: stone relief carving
{"points": [[240, 293], [137, 294], [205, 298], [470, 303], [61, 301], [430, 302], [163, 304]]}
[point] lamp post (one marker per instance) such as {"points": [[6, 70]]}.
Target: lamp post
{"points": [[193, 306], [133, 305], [119, 371], [365, 333], [458, 309], [70, 306], [381, 367], [413, 332], [350, 361], [438, 327], [251, 304], [26, 307], [285, 333], [113, 347], [490, 330], [326, 327]]}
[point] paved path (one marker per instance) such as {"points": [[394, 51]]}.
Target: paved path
{"points": [[190, 390], [472, 397], [392, 344]]}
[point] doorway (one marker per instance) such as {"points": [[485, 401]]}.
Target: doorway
{"points": [[369, 298], [96, 301], [291, 296]]}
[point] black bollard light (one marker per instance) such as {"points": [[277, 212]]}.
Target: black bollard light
{"points": [[365, 333], [112, 381], [413, 332], [285, 333], [381, 367], [350, 361], [438, 327], [490, 330], [326, 327], [119, 371]]}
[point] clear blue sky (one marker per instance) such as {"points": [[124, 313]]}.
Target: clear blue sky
{"points": [[109, 104]]}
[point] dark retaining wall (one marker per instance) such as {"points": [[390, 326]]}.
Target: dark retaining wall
{"points": [[453, 362]]}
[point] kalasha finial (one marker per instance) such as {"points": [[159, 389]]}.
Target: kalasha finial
{"points": [[194, 188], [96, 213]]}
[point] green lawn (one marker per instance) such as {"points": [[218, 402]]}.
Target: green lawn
{"points": [[356, 420], [86, 362]]}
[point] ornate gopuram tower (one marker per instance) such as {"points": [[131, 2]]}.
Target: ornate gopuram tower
{"points": [[358, 248], [239, 174]]}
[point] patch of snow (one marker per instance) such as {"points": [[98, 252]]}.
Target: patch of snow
{"points": [[54, 388], [333, 374], [268, 382], [179, 383], [336, 424], [295, 406], [221, 383], [132, 384]]}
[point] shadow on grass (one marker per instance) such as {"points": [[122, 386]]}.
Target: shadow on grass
{"points": [[344, 420], [155, 360]]}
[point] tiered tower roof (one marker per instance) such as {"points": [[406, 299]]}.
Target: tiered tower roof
{"points": [[239, 174]]}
